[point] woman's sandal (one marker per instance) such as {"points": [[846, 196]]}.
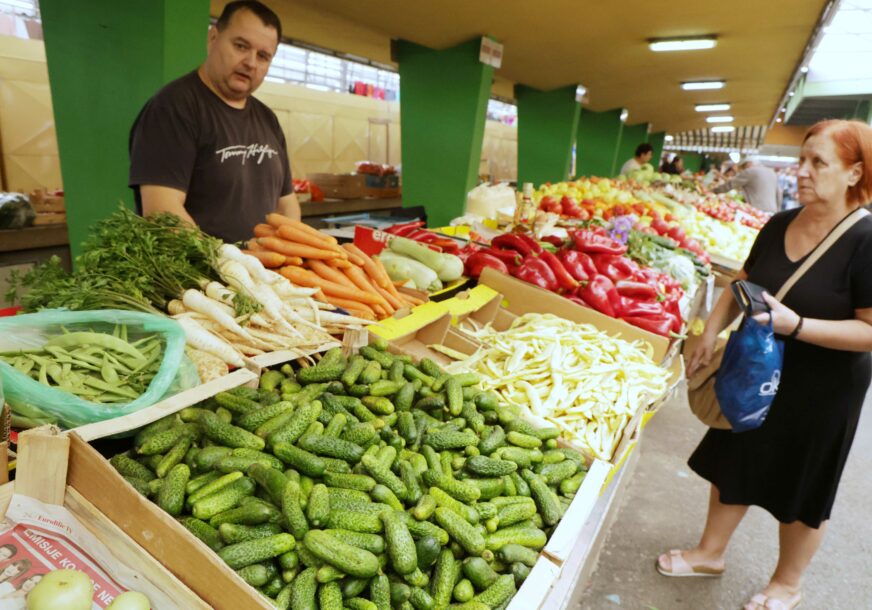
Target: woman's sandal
{"points": [[762, 601], [679, 568]]}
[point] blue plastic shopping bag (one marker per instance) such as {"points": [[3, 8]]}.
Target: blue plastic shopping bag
{"points": [[750, 372]]}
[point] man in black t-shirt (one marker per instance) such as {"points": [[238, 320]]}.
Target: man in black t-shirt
{"points": [[204, 149]]}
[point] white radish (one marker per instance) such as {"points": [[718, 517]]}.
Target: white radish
{"points": [[336, 319], [219, 312], [220, 292], [285, 288], [176, 307], [201, 339], [251, 264]]}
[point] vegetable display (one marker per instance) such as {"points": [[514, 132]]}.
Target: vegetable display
{"points": [[570, 375], [587, 269], [343, 276], [73, 590], [367, 482], [99, 367], [229, 305]]}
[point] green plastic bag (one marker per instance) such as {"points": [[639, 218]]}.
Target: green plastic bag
{"points": [[33, 403]]}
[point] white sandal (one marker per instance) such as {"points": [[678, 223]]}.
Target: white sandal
{"points": [[680, 568]]}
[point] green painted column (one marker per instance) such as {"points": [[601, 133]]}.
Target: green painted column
{"points": [[631, 137], [443, 107], [105, 59], [547, 122], [657, 139], [597, 142], [692, 161]]}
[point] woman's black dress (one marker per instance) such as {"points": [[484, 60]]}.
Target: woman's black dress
{"points": [[791, 465]]}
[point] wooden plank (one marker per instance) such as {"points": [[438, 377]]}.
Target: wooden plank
{"points": [[33, 237], [4, 462], [256, 364], [165, 407], [353, 339], [157, 532], [6, 493], [42, 464], [148, 571], [348, 206]]}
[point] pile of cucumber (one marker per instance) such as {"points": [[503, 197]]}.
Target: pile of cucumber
{"points": [[368, 483]]}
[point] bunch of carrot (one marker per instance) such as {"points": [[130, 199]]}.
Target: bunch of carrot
{"points": [[344, 275]]}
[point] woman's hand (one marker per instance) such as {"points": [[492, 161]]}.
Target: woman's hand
{"points": [[702, 355], [784, 319]]}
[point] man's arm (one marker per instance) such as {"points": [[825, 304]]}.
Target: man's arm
{"points": [[157, 199], [289, 206], [737, 182]]}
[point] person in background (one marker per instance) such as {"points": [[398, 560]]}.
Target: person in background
{"points": [[207, 151], [675, 167], [787, 184], [643, 154], [759, 185], [791, 465]]}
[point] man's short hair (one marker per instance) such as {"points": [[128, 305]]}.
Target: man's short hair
{"points": [[643, 148], [266, 15]]}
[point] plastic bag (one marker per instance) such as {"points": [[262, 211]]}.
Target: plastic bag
{"points": [[750, 372], [484, 201], [34, 403]]}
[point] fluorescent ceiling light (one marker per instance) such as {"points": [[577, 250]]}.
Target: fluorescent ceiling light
{"points": [[711, 107], [723, 129], [792, 93], [804, 69], [734, 157], [778, 120], [624, 114], [668, 138], [580, 92], [719, 119], [703, 84], [682, 44]]}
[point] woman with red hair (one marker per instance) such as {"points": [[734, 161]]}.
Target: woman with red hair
{"points": [[792, 463]]}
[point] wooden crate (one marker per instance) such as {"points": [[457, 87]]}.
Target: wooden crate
{"points": [[47, 462]]}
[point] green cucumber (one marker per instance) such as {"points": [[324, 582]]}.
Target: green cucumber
{"points": [[254, 551], [233, 533], [300, 459], [304, 589], [519, 533], [371, 542], [479, 572], [546, 500], [171, 496], [401, 545], [227, 434], [202, 530], [350, 559], [461, 531]]}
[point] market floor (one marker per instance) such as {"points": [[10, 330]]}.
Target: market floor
{"points": [[664, 505]]}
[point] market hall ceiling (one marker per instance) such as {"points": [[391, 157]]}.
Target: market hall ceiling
{"points": [[600, 44]]}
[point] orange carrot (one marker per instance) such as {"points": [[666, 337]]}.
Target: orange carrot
{"points": [[372, 270], [339, 263], [262, 230], [277, 220], [304, 277], [277, 244], [381, 312], [356, 275], [270, 260], [394, 301], [329, 273], [253, 245], [354, 258], [293, 260], [349, 304], [390, 285], [292, 233]]}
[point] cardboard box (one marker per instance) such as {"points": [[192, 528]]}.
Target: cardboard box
{"points": [[479, 305], [59, 469], [340, 186], [521, 298]]}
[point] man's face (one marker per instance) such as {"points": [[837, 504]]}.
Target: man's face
{"points": [[646, 157], [240, 55]]}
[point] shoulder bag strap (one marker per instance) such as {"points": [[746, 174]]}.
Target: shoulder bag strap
{"points": [[821, 249]]}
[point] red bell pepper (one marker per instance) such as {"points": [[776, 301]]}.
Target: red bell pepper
{"points": [[568, 207], [554, 240], [632, 307], [616, 267], [577, 300], [637, 290], [509, 257], [600, 294], [537, 272], [534, 245], [479, 260], [588, 241], [512, 241], [564, 278], [576, 266], [405, 228], [658, 326]]}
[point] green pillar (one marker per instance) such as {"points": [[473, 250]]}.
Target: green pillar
{"points": [[631, 137], [105, 59], [547, 122], [657, 140], [443, 107], [692, 161], [597, 142]]}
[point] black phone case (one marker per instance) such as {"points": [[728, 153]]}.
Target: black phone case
{"points": [[749, 296]]}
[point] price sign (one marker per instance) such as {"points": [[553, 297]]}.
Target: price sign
{"points": [[370, 240], [491, 53]]}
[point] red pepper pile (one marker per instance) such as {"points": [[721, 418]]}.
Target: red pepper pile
{"points": [[414, 230], [590, 270], [567, 206], [665, 227]]}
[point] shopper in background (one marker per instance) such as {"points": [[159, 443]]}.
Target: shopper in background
{"points": [[791, 465], [675, 166], [643, 154], [203, 148], [759, 184], [787, 184]]}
